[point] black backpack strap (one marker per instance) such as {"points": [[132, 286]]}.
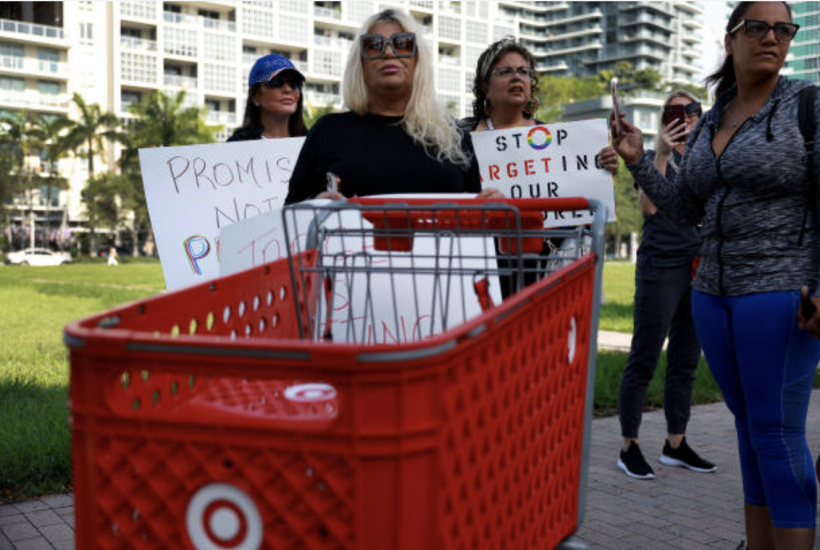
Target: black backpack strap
{"points": [[805, 118]]}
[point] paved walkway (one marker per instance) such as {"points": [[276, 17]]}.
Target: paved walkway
{"points": [[677, 510]]}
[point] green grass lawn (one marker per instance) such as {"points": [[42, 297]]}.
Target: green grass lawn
{"points": [[38, 302], [619, 293]]}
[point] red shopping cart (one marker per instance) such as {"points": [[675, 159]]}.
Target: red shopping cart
{"points": [[253, 412]]}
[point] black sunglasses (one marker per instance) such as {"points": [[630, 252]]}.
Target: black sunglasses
{"points": [[373, 46], [783, 32], [693, 109], [290, 78]]}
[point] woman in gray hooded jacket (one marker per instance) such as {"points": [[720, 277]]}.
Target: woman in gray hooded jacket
{"points": [[745, 177]]}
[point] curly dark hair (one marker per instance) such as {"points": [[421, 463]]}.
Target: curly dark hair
{"points": [[484, 68]]}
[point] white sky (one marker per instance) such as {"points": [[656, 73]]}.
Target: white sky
{"points": [[715, 13]]}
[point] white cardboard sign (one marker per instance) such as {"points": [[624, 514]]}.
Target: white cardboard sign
{"points": [[548, 161], [194, 191], [382, 307]]}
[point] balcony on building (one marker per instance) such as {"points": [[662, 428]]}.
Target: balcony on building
{"points": [[138, 10], [22, 66], [552, 68], [538, 7], [577, 17], [660, 7], [691, 23], [453, 8], [555, 36], [332, 42], [421, 5], [690, 7], [180, 81], [33, 33], [327, 13], [643, 18], [138, 44], [226, 118], [34, 101], [645, 35]]}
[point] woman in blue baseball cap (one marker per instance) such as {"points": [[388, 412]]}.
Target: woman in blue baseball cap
{"points": [[274, 106]]}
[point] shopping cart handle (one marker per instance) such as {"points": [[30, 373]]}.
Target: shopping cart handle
{"points": [[556, 204], [396, 219]]}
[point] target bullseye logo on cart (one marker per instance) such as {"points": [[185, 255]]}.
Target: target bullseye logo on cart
{"points": [[223, 517], [310, 393]]}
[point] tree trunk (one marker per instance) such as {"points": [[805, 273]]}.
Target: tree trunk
{"points": [[47, 225], [148, 247], [135, 235], [92, 241]]}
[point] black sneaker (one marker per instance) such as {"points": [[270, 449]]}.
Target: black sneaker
{"points": [[685, 457], [633, 463]]}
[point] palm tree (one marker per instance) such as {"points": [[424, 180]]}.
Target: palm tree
{"points": [[92, 129], [162, 121], [18, 136], [54, 135]]}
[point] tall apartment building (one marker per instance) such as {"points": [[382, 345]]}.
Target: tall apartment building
{"points": [[114, 53], [804, 56], [582, 38]]}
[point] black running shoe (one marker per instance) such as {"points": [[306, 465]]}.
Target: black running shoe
{"points": [[685, 457], [633, 463]]}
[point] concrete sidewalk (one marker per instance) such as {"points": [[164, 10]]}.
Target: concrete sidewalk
{"points": [[677, 510]]}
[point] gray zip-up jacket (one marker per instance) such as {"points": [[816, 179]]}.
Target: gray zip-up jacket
{"points": [[750, 199]]}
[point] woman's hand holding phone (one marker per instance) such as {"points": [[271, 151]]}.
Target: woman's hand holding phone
{"points": [[629, 142]]}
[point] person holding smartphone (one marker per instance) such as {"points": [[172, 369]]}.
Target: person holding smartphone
{"points": [[746, 178], [273, 108], [663, 309]]}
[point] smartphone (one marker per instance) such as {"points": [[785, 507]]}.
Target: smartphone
{"points": [[674, 112], [613, 85]]}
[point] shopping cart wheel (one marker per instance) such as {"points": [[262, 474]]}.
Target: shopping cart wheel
{"points": [[572, 543]]}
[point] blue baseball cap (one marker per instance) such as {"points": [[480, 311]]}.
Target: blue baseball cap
{"points": [[269, 66]]}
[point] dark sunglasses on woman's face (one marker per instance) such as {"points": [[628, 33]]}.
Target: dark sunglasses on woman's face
{"points": [[292, 80], [693, 109], [783, 32], [373, 46]]}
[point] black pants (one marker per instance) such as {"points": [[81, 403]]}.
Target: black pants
{"points": [[663, 307]]}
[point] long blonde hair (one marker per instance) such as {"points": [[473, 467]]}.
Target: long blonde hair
{"points": [[425, 120]]}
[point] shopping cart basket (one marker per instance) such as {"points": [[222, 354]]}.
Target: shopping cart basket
{"points": [[224, 416]]}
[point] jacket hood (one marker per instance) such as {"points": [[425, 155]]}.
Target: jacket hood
{"points": [[786, 88]]}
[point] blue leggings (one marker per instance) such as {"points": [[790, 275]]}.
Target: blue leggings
{"points": [[764, 365]]}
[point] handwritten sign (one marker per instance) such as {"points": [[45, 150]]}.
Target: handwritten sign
{"points": [[195, 191], [548, 161], [405, 303]]}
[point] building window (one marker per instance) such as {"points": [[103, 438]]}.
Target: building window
{"points": [[86, 32], [129, 98], [48, 88], [11, 83], [11, 55]]}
